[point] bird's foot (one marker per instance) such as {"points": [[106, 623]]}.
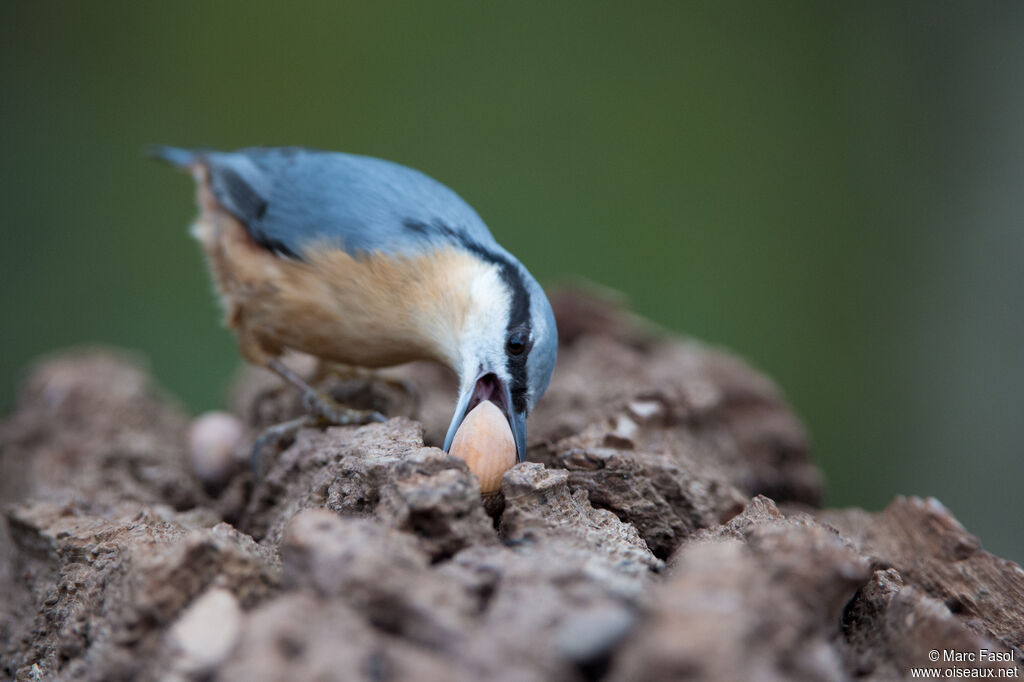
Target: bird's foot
{"points": [[325, 408], [330, 413], [275, 434], [368, 376], [323, 411]]}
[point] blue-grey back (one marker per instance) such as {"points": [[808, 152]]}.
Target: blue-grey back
{"points": [[291, 197]]}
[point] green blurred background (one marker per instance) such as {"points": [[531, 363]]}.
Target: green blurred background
{"points": [[834, 191]]}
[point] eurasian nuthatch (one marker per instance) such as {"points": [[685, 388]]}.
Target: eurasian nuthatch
{"points": [[366, 262]]}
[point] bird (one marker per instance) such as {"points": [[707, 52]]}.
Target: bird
{"points": [[366, 262]]}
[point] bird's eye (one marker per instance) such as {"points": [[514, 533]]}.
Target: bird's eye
{"points": [[516, 343]]}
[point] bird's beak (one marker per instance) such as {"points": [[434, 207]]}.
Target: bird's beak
{"points": [[489, 387]]}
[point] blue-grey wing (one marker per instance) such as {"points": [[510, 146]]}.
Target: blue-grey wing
{"points": [[289, 198]]}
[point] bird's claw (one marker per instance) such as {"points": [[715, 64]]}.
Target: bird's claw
{"points": [[322, 411], [330, 413], [276, 434]]}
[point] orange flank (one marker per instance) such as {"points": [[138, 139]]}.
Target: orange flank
{"points": [[373, 311]]}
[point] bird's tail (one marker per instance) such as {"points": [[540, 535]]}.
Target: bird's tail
{"points": [[176, 156]]}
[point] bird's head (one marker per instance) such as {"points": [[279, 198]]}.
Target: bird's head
{"points": [[506, 346]]}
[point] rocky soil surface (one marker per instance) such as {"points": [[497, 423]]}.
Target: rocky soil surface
{"points": [[667, 528]]}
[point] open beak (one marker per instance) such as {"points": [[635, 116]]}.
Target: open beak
{"points": [[489, 387]]}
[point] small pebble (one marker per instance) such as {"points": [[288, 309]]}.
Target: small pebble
{"points": [[646, 410], [207, 631], [623, 433], [592, 633], [213, 440]]}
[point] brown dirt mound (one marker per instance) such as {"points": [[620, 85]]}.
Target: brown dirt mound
{"points": [[667, 528]]}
